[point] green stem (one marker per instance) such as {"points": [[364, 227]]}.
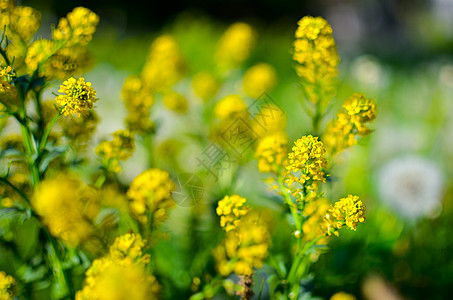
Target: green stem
{"points": [[290, 203], [3, 179]]}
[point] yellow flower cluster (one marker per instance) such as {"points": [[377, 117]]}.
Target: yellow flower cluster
{"points": [[164, 66], [68, 208], [230, 107], [150, 196], [38, 53], [271, 153], [349, 211], [317, 58], [269, 120], [79, 130], [138, 102], [7, 73], [235, 46], [205, 85], [259, 79], [77, 28], [24, 21], [77, 96], [66, 62], [312, 228], [231, 210], [175, 102], [120, 148], [121, 274], [342, 296], [350, 123], [7, 286], [243, 248], [305, 166]]}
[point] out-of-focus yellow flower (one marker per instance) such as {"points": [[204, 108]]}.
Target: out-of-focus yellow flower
{"points": [[77, 28], [269, 120], [8, 286], [175, 102], [342, 296], [305, 166], [8, 94], [349, 211], [312, 228], [67, 62], [121, 274], [205, 85], [243, 248], [164, 66], [79, 130], [350, 123], [231, 210], [235, 46], [317, 58], [68, 208], [138, 101], [77, 96], [229, 107], [120, 148], [128, 247], [272, 152], [24, 21], [259, 79], [38, 53], [150, 196]]}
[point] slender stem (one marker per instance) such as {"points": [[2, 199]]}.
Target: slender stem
{"points": [[45, 136], [289, 202], [3, 179]]}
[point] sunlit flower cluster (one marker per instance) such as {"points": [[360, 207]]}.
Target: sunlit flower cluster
{"points": [[150, 196], [235, 46], [259, 79], [77, 96], [120, 148], [316, 54], [205, 85], [121, 274], [68, 208], [305, 166], [243, 248], [350, 123], [349, 211], [231, 210], [7, 286], [271, 152], [77, 28], [269, 120], [230, 107], [175, 102]]}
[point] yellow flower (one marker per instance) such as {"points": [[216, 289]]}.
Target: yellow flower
{"points": [[205, 85], [120, 148], [175, 102], [38, 53], [349, 211], [138, 101], [317, 58], [150, 196], [269, 120], [312, 228], [350, 123], [77, 28], [164, 66], [229, 107], [235, 46], [259, 79], [231, 210], [77, 96], [129, 247], [8, 286], [305, 166], [67, 62], [25, 21], [7, 73], [271, 152], [121, 274], [243, 248], [342, 296], [67, 207]]}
